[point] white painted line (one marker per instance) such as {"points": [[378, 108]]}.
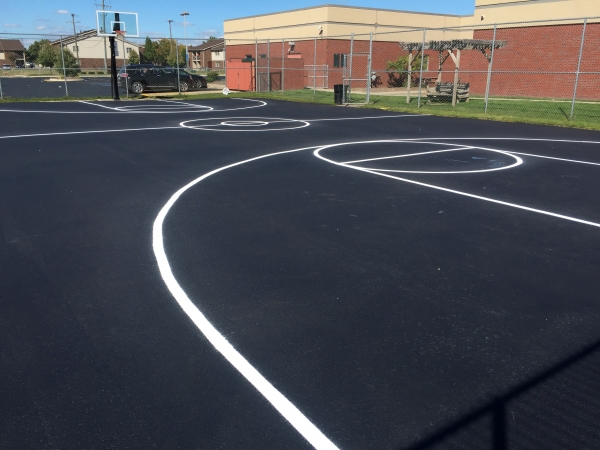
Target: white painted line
{"points": [[88, 132], [368, 117], [261, 104], [466, 194], [557, 159], [225, 123], [499, 139], [290, 412], [97, 104], [183, 103], [410, 154]]}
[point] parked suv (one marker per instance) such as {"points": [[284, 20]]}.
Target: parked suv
{"points": [[141, 77]]}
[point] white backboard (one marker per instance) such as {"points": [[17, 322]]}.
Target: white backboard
{"points": [[110, 21]]}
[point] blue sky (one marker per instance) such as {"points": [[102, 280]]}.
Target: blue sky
{"points": [[205, 17]]}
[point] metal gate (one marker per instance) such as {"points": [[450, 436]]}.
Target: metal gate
{"points": [[357, 74]]}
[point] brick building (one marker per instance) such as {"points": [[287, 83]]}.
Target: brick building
{"points": [[210, 55], [12, 52], [539, 60]]}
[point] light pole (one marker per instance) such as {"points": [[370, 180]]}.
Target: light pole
{"points": [[187, 58], [171, 34]]}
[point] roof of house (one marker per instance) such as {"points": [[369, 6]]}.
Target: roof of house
{"points": [[213, 44], [11, 45], [83, 35]]}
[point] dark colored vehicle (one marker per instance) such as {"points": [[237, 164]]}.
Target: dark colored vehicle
{"points": [[199, 81], [138, 78]]}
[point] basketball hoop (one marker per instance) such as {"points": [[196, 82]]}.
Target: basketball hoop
{"points": [[120, 34]]}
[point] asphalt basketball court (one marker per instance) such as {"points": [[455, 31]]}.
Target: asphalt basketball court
{"points": [[260, 274]]}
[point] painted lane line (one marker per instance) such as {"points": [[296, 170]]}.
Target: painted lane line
{"points": [[568, 141], [88, 132], [367, 117], [557, 159], [466, 194], [261, 104], [410, 154], [98, 104], [290, 412], [182, 103]]}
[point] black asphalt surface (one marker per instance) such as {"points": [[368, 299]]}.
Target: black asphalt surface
{"points": [[384, 310], [42, 87]]}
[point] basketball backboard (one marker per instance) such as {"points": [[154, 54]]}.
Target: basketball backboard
{"points": [[108, 22]]}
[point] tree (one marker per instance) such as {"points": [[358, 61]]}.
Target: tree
{"points": [[172, 59], [149, 54], [210, 38], [163, 50], [47, 55], [134, 58], [71, 65], [32, 53]]}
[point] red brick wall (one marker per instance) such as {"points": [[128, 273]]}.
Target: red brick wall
{"points": [[537, 62]]}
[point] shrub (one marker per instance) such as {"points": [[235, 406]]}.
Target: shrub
{"points": [[212, 76]]}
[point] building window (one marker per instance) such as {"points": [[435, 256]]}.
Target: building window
{"points": [[217, 53], [116, 50], [128, 50], [75, 48], [340, 60], [217, 64]]}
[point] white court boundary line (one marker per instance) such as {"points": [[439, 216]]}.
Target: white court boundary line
{"points": [[288, 410], [135, 112], [518, 161], [66, 133], [453, 191], [250, 128]]}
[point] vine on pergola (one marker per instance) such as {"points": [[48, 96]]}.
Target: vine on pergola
{"points": [[484, 46]]}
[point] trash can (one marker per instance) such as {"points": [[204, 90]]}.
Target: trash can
{"points": [[338, 94]]}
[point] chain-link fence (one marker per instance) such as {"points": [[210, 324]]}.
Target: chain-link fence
{"points": [[544, 69]]}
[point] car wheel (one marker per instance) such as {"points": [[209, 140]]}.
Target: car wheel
{"points": [[197, 84], [183, 86], [137, 87]]}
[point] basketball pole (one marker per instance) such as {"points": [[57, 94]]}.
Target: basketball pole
{"points": [[113, 69]]}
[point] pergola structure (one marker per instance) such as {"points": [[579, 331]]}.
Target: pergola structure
{"points": [[484, 46]]}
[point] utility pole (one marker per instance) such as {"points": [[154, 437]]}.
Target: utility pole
{"points": [[104, 38], [75, 37], [187, 57]]}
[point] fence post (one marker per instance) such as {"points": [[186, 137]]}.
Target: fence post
{"points": [[350, 69], [421, 71], [62, 56], [490, 63], [315, 71], [177, 59], [268, 65], [282, 63], [256, 77], [578, 69], [225, 60], [369, 64]]}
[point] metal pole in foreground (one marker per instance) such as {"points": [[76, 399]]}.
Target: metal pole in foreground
{"points": [[489, 77], [282, 62], [268, 65], [256, 77], [578, 69], [421, 72], [62, 55], [125, 65], [113, 69], [1, 94], [347, 95]]}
